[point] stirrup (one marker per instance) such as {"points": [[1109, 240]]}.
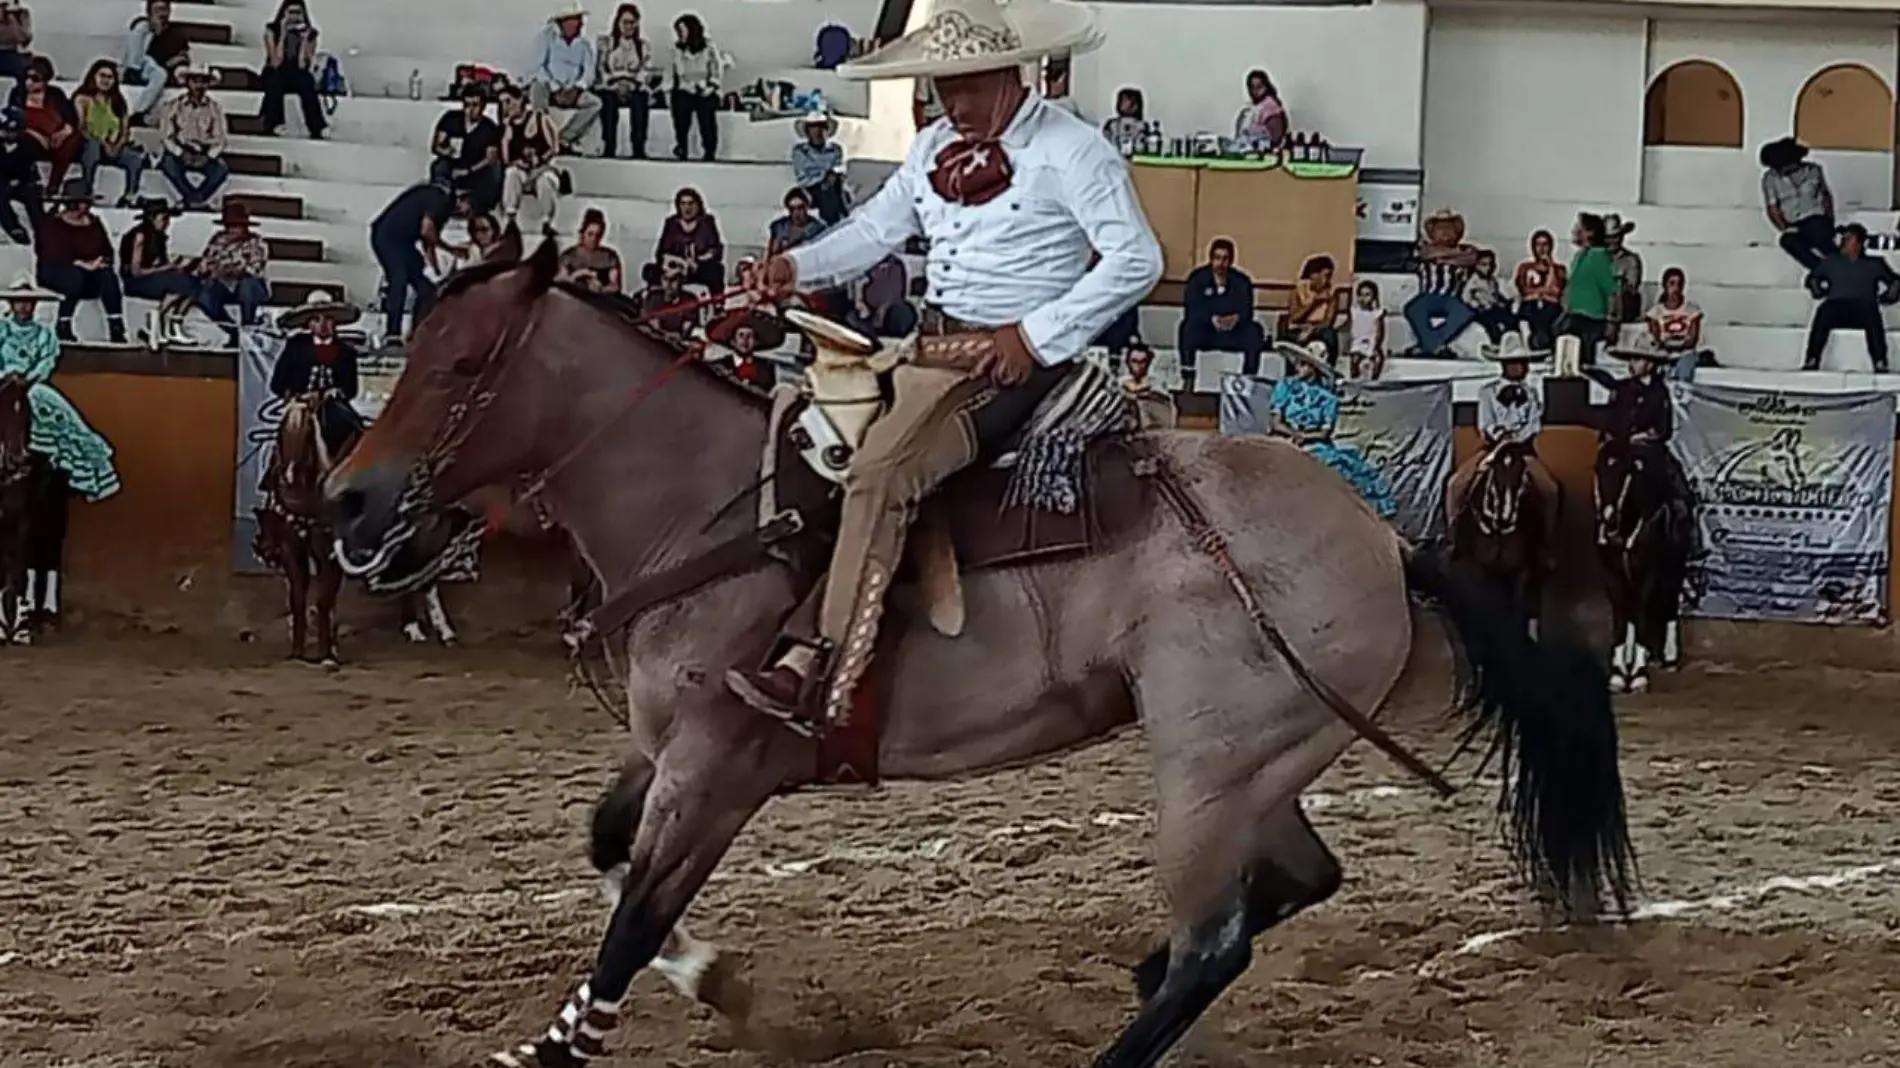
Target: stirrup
{"points": [[802, 717]]}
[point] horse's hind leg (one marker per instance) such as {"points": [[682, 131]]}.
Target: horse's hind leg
{"points": [[297, 592], [1297, 872], [412, 618], [329, 583], [438, 615]]}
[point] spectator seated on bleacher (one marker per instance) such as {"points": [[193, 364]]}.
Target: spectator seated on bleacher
{"points": [[1797, 200], [529, 141], [627, 79], [881, 307], [1263, 123], [818, 165], [74, 259], [16, 39], [1485, 296], [196, 135], [290, 58], [1540, 291], [105, 121], [692, 234], [466, 150], [1675, 325], [797, 226], [1312, 312], [1366, 346], [564, 73], [1851, 286], [149, 271], [1438, 313], [155, 50], [693, 87], [51, 122], [664, 292], [19, 179], [1217, 311], [484, 238], [589, 263], [1155, 409], [232, 268]]}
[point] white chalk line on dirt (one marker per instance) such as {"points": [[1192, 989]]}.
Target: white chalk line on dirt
{"points": [[1727, 901]]}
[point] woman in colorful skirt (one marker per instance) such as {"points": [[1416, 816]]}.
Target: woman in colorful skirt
{"points": [[1306, 410], [74, 456]]}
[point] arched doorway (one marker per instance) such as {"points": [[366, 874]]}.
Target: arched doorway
{"points": [[1845, 107], [1693, 102]]}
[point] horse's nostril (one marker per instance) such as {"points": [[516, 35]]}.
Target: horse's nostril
{"points": [[352, 504]]}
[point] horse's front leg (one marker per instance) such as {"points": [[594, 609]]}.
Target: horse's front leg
{"points": [[297, 592], [703, 791], [438, 615], [1622, 629], [329, 584]]}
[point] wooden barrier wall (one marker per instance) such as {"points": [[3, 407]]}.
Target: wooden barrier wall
{"points": [[158, 556]]}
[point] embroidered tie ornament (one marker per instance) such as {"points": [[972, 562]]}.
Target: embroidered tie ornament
{"points": [[971, 172]]}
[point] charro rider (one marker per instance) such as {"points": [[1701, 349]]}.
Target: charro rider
{"points": [[1510, 416], [1013, 194]]}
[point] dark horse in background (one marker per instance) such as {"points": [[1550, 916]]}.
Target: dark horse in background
{"points": [[516, 376], [1500, 532], [294, 537], [1644, 543], [31, 513]]}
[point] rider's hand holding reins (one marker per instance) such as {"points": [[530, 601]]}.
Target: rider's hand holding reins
{"points": [[1008, 360]]}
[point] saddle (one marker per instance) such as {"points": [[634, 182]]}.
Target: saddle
{"points": [[1063, 485]]}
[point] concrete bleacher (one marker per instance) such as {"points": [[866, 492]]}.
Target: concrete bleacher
{"points": [[314, 200]]}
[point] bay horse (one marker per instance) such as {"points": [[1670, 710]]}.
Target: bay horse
{"points": [[516, 376], [1500, 532], [1644, 547], [16, 509], [294, 537]]}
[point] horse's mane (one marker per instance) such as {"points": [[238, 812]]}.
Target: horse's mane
{"points": [[621, 308]]}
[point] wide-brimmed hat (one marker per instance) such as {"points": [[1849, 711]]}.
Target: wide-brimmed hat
{"points": [[1444, 217], [1782, 152], [1614, 225], [187, 73], [1313, 354], [767, 330], [319, 303], [23, 287], [1512, 346], [1644, 348], [74, 191], [150, 208], [567, 9], [816, 118], [972, 36], [235, 213]]}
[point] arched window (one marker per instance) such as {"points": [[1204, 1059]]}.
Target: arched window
{"points": [[1694, 102], [1845, 106]]}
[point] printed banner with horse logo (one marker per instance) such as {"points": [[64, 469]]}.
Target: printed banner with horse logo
{"points": [[1793, 492], [1404, 428], [258, 416]]}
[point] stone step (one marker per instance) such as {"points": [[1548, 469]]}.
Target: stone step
{"points": [[267, 205], [1515, 218], [209, 33]]}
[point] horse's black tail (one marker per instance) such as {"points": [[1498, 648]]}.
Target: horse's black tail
{"points": [[1544, 709]]}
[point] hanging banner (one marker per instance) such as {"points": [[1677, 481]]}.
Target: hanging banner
{"points": [[257, 418], [1794, 495], [1404, 428]]}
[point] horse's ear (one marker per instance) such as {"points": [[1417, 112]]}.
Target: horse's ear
{"points": [[543, 265]]}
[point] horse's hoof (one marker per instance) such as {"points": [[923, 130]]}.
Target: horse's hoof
{"points": [[1672, 665], [331, 663], [450, 641], [1618, 684], [413, 632], [1639, 684], [546, 1053]]}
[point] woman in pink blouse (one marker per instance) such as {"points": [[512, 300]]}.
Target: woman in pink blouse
{"points": [[1262, 124], [1540, 291]]}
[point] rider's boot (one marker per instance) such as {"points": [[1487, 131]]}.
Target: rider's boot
{"points": [[787, 683]]}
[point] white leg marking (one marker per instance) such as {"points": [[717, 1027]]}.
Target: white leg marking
{"points": [[49, 591], [684, 960], [1533, 629], [613, 883], [413, 632], [1672, 641], [32, 584], [438, 616]]}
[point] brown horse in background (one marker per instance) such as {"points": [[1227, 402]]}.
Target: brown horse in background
{"points": [[16, 509], [293, 529], [515, 376], [1500, 532]]}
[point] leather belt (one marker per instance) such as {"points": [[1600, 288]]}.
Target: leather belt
{"points": [[946, 343]]}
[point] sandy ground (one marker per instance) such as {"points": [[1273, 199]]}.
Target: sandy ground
{"points": [[211, 859]]}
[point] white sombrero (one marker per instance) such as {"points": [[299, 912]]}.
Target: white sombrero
{"points": [[318, 303], [25, 288], [186, 74], [568, 9], [1313, 354], [972, 36], [1512, 347], [817, 118]]}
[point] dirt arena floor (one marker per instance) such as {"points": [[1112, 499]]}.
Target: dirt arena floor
{"points": [[212, 859]]}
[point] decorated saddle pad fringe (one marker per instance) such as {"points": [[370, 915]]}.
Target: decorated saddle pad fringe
{"points": [[1046, 469]]}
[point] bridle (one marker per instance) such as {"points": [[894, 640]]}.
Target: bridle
{"points": [[1500, 504], [1611, 521]]}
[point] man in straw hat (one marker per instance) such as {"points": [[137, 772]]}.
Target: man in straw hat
{"points": [[1014, 195], [316, 360], [233, 270], [195, 134], [818, 165], [565, 70], [1510, 416], [1795, 195]]}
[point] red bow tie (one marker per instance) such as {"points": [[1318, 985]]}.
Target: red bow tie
{"points": [[971, 172]]}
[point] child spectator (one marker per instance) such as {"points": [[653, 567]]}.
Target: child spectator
{"points": [[1486, 298], [1367, 345]]}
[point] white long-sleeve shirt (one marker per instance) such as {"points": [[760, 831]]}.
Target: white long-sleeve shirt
{"points": [[1514, 423], [1022, 257]]}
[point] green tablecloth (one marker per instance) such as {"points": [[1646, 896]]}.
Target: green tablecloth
{"points": [[1298, 169]]}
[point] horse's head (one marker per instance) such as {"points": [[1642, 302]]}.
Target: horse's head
{"points": [[467, 414], [16, 421], [1624, 489], [299, 461], [1498, 492]]}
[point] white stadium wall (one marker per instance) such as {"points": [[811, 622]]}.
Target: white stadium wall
{"points": [[1351, 73]]}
